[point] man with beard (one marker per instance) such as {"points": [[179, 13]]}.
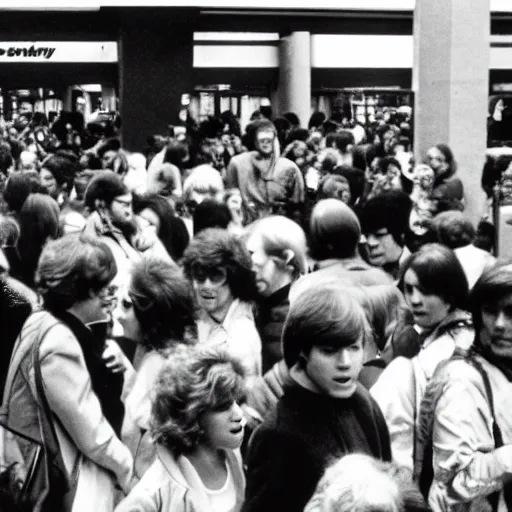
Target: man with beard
{"points": [[112, 219], [268, 183]]}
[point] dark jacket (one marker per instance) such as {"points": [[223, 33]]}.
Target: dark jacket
{"points": [[448, 192], [270, 319], [306, 432]]}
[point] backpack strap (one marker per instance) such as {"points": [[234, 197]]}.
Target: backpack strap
{"points": [[496, 431]]}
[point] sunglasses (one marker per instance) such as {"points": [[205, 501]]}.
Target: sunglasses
{"points": [[217, 276]]}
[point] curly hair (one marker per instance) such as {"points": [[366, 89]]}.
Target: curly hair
{"points": [[215, 248], [193, 381], [163, 302], [71, 267]]}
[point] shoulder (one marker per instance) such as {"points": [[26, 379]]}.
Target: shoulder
{"points": [[152, 492], [56, 336], [287, 165], [241, 159]]}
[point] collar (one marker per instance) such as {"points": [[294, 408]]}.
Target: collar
{"points": [[348, 263], [277, 297]]}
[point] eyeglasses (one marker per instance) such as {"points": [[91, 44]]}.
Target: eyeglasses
{"points": [[217, 276], [266, 140]]}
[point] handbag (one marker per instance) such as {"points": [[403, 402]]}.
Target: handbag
{"points": [[31, 466]]}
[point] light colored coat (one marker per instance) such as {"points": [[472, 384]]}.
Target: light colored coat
{"points": [[237, 334], [401, 386], [169, 486], [81, 427], [467, 467]]}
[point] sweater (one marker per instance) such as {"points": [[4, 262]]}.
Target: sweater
{"points": [[304, 434], [272, 313]]}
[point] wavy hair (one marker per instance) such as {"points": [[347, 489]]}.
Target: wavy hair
{"points": [[163, 302], [215, 248], [71, 267], [193, 382]]}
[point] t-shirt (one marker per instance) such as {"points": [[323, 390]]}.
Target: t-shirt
{"points": [[223, 499]]}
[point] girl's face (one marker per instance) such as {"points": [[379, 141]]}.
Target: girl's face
{"points": [[436, 160], [428, 309], [223, 428], [149, 220], [125, 314]]}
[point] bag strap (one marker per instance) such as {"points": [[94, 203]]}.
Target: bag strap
{"points": [[496, 431], [20, 352]]}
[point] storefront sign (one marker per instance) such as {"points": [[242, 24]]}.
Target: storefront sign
{"points": [[58, 51]]}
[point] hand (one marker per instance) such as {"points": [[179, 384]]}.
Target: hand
{"points": [[145, 240], [114, 357]]}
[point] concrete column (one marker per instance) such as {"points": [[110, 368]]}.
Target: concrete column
{"points": [[67, 100], [451, 84], [294, 88], [155, 69], [108, 98]]}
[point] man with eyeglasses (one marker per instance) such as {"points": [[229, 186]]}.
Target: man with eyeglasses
{"points": [[269, 184], [112, 219]]}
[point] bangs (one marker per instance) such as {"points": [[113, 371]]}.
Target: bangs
{"points": [[227, 386], [343, 326]]}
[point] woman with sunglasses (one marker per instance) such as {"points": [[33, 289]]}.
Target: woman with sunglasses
{"points": [[220, 270], [156, 312]]}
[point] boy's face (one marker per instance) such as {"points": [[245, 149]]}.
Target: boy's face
{"points": [[334, 370], [382, 248]]}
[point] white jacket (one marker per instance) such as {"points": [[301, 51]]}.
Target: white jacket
{"points": [[401, 386], [169, 486]]}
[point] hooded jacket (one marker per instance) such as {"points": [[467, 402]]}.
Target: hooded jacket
{"points": [[170, 486]]}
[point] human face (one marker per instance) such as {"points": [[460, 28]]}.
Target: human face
{"points": [[270, 277], [150, 219], [265, 142], [382, 248], [212, 291], [98, 307], [335, 371], [496, 330], [223, 429], [428, 309], [121, 211], [107, 160], [125, 315], [342, 192], [49, 183], [436, 160]]}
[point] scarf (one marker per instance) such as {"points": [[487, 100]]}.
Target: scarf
{"points": [[106, 385]]}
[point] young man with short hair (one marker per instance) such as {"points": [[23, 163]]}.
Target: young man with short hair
{"points": [[324, 413]]}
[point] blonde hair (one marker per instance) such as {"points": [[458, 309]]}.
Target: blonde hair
{"points": [[280, 234], [204, 179], [357, 483]]}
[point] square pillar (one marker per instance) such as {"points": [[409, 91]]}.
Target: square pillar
{"points": [[155, 69], [451, 84], [294, 88]]}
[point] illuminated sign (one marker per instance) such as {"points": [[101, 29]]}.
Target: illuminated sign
{"points": [[57, 51]]}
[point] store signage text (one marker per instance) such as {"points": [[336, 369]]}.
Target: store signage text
{"points": [[43, 51]]}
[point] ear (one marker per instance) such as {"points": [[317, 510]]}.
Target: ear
{"points": [[288, 256]]}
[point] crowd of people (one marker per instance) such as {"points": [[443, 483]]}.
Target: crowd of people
{"points": [[277, 318]]}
